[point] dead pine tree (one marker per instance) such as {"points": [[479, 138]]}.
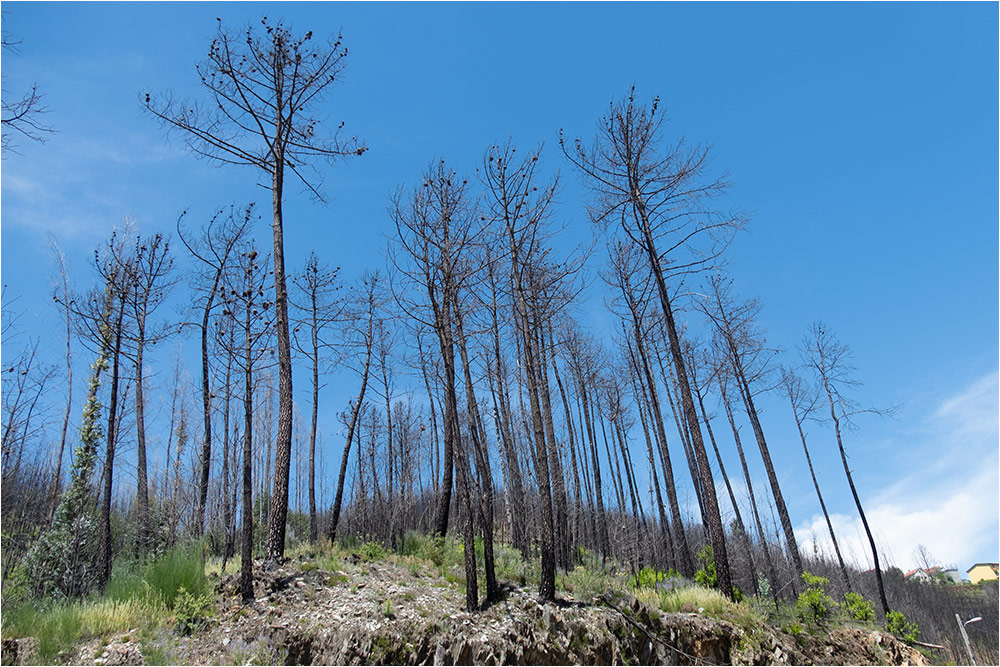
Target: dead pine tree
{"points": [[318, 308], [518, 207], [151, 282], [213, 248], [360, 315], [252, 317], [436, 233], [264, 85], [625, 277], [830, 361], [744, 347], [62, 296], [803, 402], [660, 198]]}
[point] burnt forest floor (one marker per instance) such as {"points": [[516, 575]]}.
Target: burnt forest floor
{"points": [[332, 605]]}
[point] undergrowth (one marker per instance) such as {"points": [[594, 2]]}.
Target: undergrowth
{"points": [[139, 596]]}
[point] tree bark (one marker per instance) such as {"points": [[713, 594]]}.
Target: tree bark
{"points": [[705, 471], [278, 515], [104, 564]]}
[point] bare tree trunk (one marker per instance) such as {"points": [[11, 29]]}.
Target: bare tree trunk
{"points": [[206, 402], [680, 536], [546, 585], [228, 481], [705, 471], [434, 425], [812, 473], [339, 496], [246, 566], [604, 541], [744, 538], [64, 300], [104, 563], [482, 463], [771, 572], [683, 432], [278, 515], [641, 405], [779, 500], [827, 355], [313, 526], [142, 491], [576, 522], [560, 519]]}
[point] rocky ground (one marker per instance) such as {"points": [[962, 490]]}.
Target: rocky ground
{"points": [[393, 612]]}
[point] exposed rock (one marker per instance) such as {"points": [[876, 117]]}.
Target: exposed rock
{"points": [[315, 617], [122, 652], [19, 651], [406, 617]]}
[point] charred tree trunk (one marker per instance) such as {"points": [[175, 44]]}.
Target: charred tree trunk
{"points": [[104, 564]]}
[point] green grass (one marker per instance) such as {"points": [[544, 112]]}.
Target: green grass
{"points": [[213, 566], [138, 597], [702, 600], [178, 568], [61, 625], [586, 583]]}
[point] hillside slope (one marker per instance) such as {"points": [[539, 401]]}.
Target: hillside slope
{"points": [[402, 611]]}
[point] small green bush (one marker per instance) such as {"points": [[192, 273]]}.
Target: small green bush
{"points": [[814, 605], [859, 608], [897, 623], [794, 628], [648, 577], [388, 610], [509, 564], [586, 583], [371, 551], [706, 575], [192, 611]]}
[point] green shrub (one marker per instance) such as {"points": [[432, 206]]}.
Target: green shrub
{"points": [[897, 623], [859, 608], [60, 562], [763, 587], [509, 564], [648, 577], [813, 604], [192, 611], [586, 583], [794, 628], [388, 610], [371, 551], [706, 575]]}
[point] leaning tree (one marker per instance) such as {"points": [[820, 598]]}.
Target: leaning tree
{"points": [[660, 195]]}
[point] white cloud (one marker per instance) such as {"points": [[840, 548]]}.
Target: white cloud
{"points": [[949, 500]]}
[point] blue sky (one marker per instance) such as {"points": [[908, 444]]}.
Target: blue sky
{"points": [[862, 137]]}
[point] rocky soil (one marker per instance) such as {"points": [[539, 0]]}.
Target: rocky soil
{"points": [[399, 613]]}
